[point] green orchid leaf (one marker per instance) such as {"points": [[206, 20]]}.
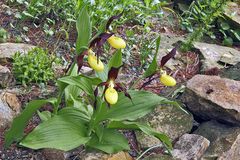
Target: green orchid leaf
{"points": [[112, 141], [103, 75], [116, 60], [158, 41], [84, 29], [153, 66], [71, 93], [144, 128], [60, 132], [83, 82], [75, 114], [99, 130], [45, 115], [151, 69], [141, 104], [15, 133]]}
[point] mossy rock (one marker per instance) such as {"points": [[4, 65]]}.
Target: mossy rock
{"points": [[170, 120]]}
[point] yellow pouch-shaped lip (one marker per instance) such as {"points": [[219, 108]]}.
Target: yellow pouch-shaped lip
{"points": [[111, 95], [116, 42], [167, 80], [95, 64]]}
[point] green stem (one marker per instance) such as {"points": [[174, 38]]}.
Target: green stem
{"points": [[56, 106], [156, 146], [136, 82]]}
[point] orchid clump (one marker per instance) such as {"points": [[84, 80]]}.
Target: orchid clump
{"points": [[155, 69], [90, 110]]}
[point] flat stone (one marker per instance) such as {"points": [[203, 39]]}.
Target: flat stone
{"points": [[52, 154], [159, 157], [224, 140], [212, 97], [232, 12], [9, 108], [6, 77], [216, 56], [7, 50], [190, 147], [120, 156], [103, 156], [165, 119], [93, 156], [231, 72]]}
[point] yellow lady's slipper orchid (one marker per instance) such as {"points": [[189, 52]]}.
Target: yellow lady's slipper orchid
{"points": [[167, 80], [95, 64], [116, 42], [111, 94]]}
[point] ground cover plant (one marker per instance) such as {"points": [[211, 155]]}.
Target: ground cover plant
{"points": [[36, 66], [95, 107], [49, 12]]}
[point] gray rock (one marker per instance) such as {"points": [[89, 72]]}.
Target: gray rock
{"points": [[93, 156], [159, 157], [51, 154], [212, 97], [190, 147], [103, 156], [215, 55], [232, 12], [6, 77], [55, 154], [232, 72], [9, 108], [166, 119], [224, 140], [7, 50]]}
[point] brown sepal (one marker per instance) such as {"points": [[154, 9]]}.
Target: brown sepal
{"points": [[111, 20], [98, 43], [79, 59], [113, 73], [170, 55], [120, 88]]}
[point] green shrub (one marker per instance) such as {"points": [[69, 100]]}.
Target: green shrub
{"points": [[200, 19], [35, 66]]}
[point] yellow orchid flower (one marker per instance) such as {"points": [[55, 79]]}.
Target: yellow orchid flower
{"points": [[111, 95], [116, 42], [95, 64], [167, 80]]}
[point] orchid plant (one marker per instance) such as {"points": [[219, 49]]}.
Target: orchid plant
{"points": [[90, 110]]}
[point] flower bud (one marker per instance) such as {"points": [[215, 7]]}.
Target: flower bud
{"points": [[116, 42], [167, 80], [111, 95], [95, 64]]}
